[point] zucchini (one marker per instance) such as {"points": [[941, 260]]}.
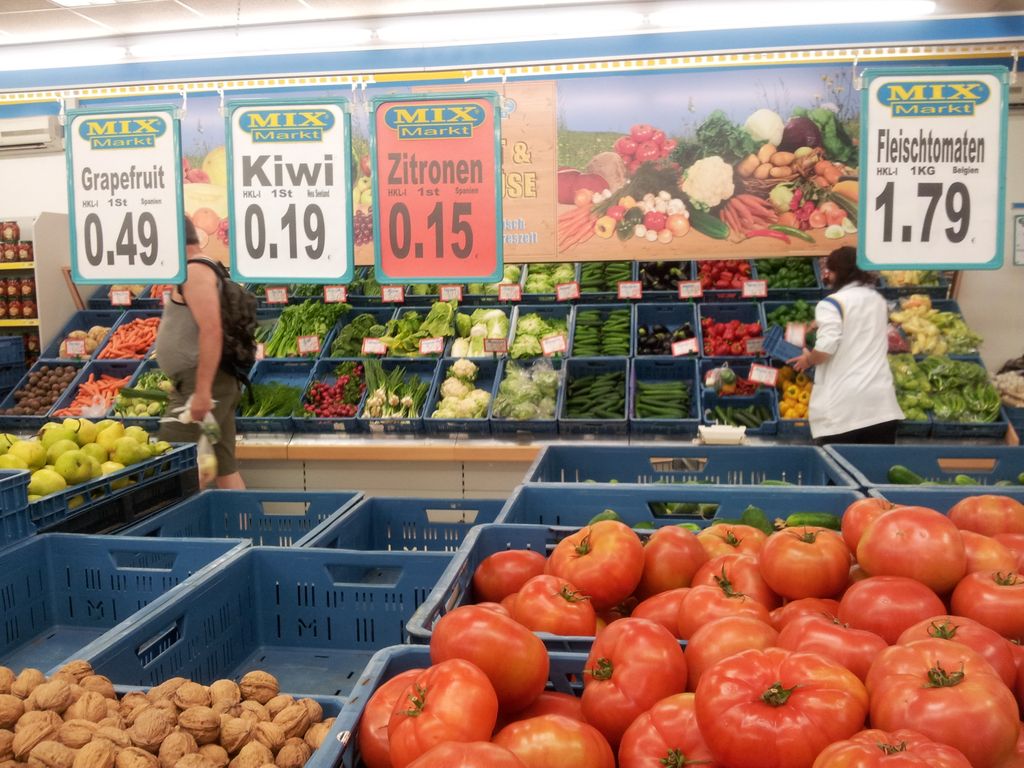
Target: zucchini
{"points": [[900, 475], [818, 519], [708, 224]]}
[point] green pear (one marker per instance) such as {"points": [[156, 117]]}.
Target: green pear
{"points": [[161, 447], [76, 501], [57, 434], [126, 451], [46, 481], [140, 435], [110, 467], [85, 430], [31, 452], [97, 452], [57, 449], [6, 441], [10, 461], [95, 467], [74, 466], [107, 437], [33, 498], [101, 425]]}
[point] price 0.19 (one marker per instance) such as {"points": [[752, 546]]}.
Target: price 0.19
{"points": [[136, 238], [255, 232], [957, 205], [400, 231]]}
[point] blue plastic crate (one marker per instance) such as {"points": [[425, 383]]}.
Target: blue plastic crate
{"points": [[664, 369], [546, 311], [127, 317], [955, 430], [149, 423], [747, 312], [486, 380], [740, 365], [119, 369], [679, 464], [14, 519], [268, 518], [25, 424], [672, 316], [770, 306], [604, 309], [813, 292], [83, 321], [532, 298], [311, 617], [1016, 417], [10, 375], [565, 676], [939, 499], [100, 300], [687, 268], [604, 296], [324, 371], [722, 294], [573, 505], [12, 351], [776, 346], [380, 314], [765, 398], [293, 373], [941, 291], [580, 367], [403, 524], [426, 370], [525, 427], [62, 591], [469, 310], [987, 464]]}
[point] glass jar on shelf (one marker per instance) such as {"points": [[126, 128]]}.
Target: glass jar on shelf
{"points": [[25, 250], [14, 309], [12, 288], [8, 252], [3, 309], [28, 308], [28, 287], [10, 232]]}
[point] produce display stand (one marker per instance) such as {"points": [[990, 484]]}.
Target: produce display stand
{"points": [[15, 523], [939, 499], [986, 465], [487, 380]]}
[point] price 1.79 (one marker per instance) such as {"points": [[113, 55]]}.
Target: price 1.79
{"points": [[254, 232], [957, 205], [132, 233], [400, 231]]}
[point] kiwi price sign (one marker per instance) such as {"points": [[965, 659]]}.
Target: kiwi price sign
{"points": [[289, 191]]}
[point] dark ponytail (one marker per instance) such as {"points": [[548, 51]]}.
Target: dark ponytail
{"points": [[842, 263]]}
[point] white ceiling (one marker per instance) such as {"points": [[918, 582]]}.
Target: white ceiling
{"points": [[31, 21]]}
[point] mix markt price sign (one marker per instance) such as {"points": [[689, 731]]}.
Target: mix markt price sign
{"points": [[437, 188], [289, 191], [933, 168], [124, 196]]}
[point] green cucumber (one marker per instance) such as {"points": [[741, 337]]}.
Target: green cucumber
{"points": [[756, 517], [709, 225], [817, 519], [964, 480], [900, 475], [792, 232], [608, 514]]}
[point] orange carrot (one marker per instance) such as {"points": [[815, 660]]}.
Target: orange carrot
{"points": [[94, 392]]}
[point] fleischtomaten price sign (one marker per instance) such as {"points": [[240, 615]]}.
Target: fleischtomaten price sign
{"points": [[933, 168], [124, 196], [437, 188], [289, 191]]}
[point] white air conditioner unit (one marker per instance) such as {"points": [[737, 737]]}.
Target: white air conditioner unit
{"points": [[26, 135]]}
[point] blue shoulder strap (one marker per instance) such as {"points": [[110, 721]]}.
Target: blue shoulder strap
{"points": [[835, 303]]}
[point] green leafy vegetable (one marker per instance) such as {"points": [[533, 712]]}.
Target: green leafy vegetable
{"points": [[717, 135]]}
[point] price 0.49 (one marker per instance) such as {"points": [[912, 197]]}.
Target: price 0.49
{"points": [[254, 230], [136, 238], [400, 231], [957, 205]]}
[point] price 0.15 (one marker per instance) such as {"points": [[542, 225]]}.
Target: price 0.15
{"points": [[132, 234], [255, 232], [400, 231], [957, 205]]}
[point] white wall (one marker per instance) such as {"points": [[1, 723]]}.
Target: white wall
{"points": [[33, 184]]}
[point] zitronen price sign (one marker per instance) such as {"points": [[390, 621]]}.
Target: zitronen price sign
{"points": [[437, 188], [933, 168], [124, 196], [289, 191]]}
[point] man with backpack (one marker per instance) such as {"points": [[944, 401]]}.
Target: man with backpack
{"points": [[205, 346]]}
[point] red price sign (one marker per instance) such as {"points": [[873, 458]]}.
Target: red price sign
{"points": [[684, 347], [261, 350], [373, 346], [451, 293], [121, 297], [308, 345], [755, 289], [75, 347], [335, 294], [432, 346], [763, 374], [553, 345], [567, 291], [496, 346], [437, 188], [510, 292], [277, 295], [690, 289], [631, 289], [392, 294]]}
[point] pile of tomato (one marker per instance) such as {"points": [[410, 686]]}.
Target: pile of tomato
{"points": [[895, 641]]}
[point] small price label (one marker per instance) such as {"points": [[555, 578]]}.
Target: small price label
{"points": [[690, 289], [763, 374], [75, 347], [631, 289], [261, 350], [432, 346], [308, 345], [451, 293], [392, 294], [496, 346], [684, 347], [553, 345], [122, 297], [335, 294], [277, 294], [755, 346], [567, 291], [796, 333], [755, 289], [510, 292], [372, 346]]}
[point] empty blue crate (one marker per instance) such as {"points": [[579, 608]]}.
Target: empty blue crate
{"points": [[291, 373], [661, 369], [15, 524], [310, 617], [594, 426], [62, 591], [939, 499], [423, 369], [689, 464], [524, 427], [9, 376], [268, 518], [487, 372], [12, 350], [83, 321], [403, 524], [869, 465]]}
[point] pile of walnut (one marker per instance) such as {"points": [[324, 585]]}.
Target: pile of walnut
{"points": [[75, 720]]}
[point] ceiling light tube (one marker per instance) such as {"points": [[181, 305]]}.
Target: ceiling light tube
{"points": [[55, 56], [749, 13]]}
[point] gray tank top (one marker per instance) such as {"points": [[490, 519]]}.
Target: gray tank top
{"points": [[177, 341]]}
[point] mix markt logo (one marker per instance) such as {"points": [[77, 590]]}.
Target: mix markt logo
{"points": [[938, 98], [286, 125], [429, 121], [136, 132]]}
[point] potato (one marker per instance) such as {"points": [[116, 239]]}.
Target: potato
{"points": [[780, 159], [763, 171], [766, 151], [780, 172], [747, 166]]}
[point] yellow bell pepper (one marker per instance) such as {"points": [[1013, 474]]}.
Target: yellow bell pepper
{"points": [[805, 397], [802, 380], [792, 392], [786, 374]]}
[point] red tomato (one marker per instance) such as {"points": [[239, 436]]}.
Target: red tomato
{"points": [[633, 664], [887, 605], [742, 573], [915, 542], [804, 606], [498, 607], [671, 556], [777, 708], [1018, 687], [900, 749], [731, 539], [857, 517], [854, 649], [513, 658], [474, 754], [947, 692], [663, 609], [1015, 543], [722, 638], [988, 514], [994, 647], [806, 562], [450, 701], [373, 725], [616, 612], [604, 560], [550, 604], [985, 553], [508, 603], [553, 741], [995, 599], [858, 574], [666, 735], [704, 604], [501, 574], [549, 703]]}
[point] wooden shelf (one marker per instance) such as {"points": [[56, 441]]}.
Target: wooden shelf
{"points": [[15, 265], [32, 322]]}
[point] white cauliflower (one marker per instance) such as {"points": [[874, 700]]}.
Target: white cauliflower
{"points": [[708, 182], [464, 369], [454, 388]]}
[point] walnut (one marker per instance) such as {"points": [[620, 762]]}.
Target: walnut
{"points": [[317, 733], [278, 703], [11, 764], [131, 704], [26, 682], [151, 727], [255, 712], [51, 754], [190, 695], [90, 706], [168, 708], [100, 684], [98, 753], [202, 722], [270, 735], [6, 745], [293, 754], [133, 757], [76, 733], [235, 733], [216, 754], [175, 747], [111, 721], [41, 717], [113, 712], [166, 688], [253, 755], [259, 686], [11, 710], [294, 719], [225, 707], [6, 679], [116, 736], [316, 712], [76, 669], [27, 738], [194, 760], [54, 695], [225, 690]]}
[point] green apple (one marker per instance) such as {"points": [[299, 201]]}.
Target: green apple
{"points": [[6, 441], [57, 434], [127, 451], [58, 449], [107, 437], [138, 434], [10, 461], [74, 466], [85, 430], [46, 481], [31, 452], [98, 452], [363, 183], [366, 197]]}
